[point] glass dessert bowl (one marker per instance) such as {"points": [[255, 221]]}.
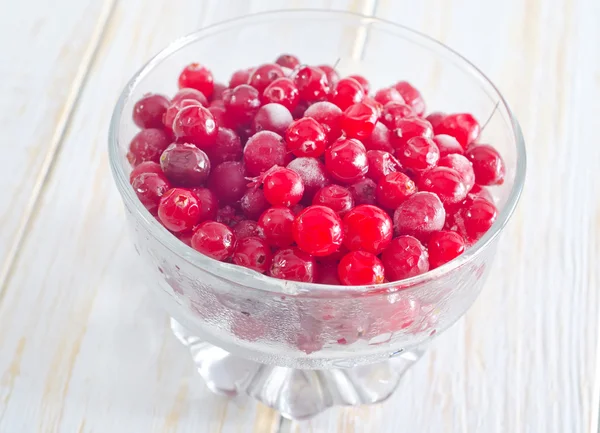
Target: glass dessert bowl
{"points": [[304, 347]]}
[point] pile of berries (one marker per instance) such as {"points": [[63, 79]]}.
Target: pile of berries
{"points": [[302, 175]]}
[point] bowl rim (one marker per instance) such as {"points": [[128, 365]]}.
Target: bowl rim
{"points": [[246, 277]]}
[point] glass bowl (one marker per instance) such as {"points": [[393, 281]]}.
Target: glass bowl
{"points": [[299, 347]]}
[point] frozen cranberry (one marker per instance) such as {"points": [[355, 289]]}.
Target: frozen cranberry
{"points": [[147, 145], [145, 167], [287, 61], [312, 173], [411, 97], [264, 150], [375, 105], [241, 103], [462, 165], [462, 126], [444, 246], [363, 82], [246, 229], [312, 83], [318, 230], [218, 90], [189, 93], [381, 164], [360, 268], [219, 112], [282, 186], [197, 77], [329, 116], [253, 253], [358, 120], [379, 139], [228, 181], [214, 240], [178, 210], [240, 77], [363, 191], [404, 257], [148, 111], [447, 144], [306, 137], [197, 125], [272, 117], [346, 160], [175, 108], [420, 215], [367, 228], [293, 264], [435, 118], [393, 112], [229, 216], [418, 154], [487, 164], [276, 224], [480, 191], [282, 91], [149, 188], [475, 218], [254, 203], [446, 182], [185, 165], [327, 273], [409, 128], [335, 197], [388, 94], [393, 189], [264, 75], [332, 76], [347, 92], [208, 203], [227, 147]]}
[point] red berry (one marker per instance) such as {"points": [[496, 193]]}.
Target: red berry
{"points": [[175, 108], [313, 175], [367, 228], [178, 210], [363, 191], [393, 189], [229, 216], [214, 240], [241, 103], [404, 257], [346, 160], [272, 117], [475, 218], [246, 229], [347, 92], [287, 61], [293, 264], [363, 82], [409, 128], [149, 188], [312, 83], [375, 105], [446, 182], [387, 95], [380, 139], [220, 114], [329, 116], [148, 111], [240, 77], [393, 112], [327, 274], [444, 246], [306, 137], [197, 125], [147, 145], [358, 120], [462, 126], [381, 164], [318, 230], [282, 91], [411, 97], [480, 191], [462, 165], [435, 118], [253, 253], [264, 75], [197, 77], [227, 147], [332, 76], [208, 203], [254, 203], [360, 268], [420, 215], [264, 150], [418, 154], [145, 167], [228, 181], [282, 187], [189, 93], [335, 197], [447, 144], [276, 224], [185, 165], [218, 90], [487, 164]]}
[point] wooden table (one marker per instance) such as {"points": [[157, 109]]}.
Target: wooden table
{"points": [[85, 349]]}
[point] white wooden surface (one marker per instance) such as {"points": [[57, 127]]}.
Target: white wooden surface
{"points": [[84, 349]]}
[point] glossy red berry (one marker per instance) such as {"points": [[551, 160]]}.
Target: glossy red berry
{"points": [[393, 189], [394, 111], [241, 103], [404, 257], [174, 109], [214, 240], [420, 215], [332, 76], [318, 230], [364, 191], [475, 218], [418, 154], [293, 264], [312, 83], [409, 128], [227, 147], [335, 197], [462, 126], [346, 160], [147, 145], [481, 191], [363, 82], [207, 202], [178, 210], [264, 150], [435, 118], [185, 165], [145, 167], [487, 164], [447, 144], [446, 183], [380, 139], [462, 165], [197, 77], [253, 253], [228, 181], [264, 75], [306, 137], [195, 124], [387, 95], [282, 187], [381, 164], [272, 117], [149, 188], [360, 268], [329, 116], [254, 203], [367, 228], [149, 110], [358, 120], [412, 97], [276, 224], [347, 92], [444, 246], [313, 175], [288, 61], [239, 78], [282, 91], [246, 229]]}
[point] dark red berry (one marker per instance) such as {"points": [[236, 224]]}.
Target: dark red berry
{"points": [[293, 264], [220, 114], [381, 164], [475, 218], [313, 175], [264, 75], [208, 203], [363, 191], [367, 228], [228, 181], [435, 118], [404, 257], [346, 160], [148, 111], [240, 77], [360, 268], [444, 246], [175, 108], [462, 126], [363, 82], [185, 165], [329, 116], [306, 137], [149, 188], [446, 182], [347, 92], [145, 167], [282, 91], [197, 77], [358, 120], [387, 95], [272, 117], [253, 253], [393, 189], [254, 203], [287, 61], [312, 83], [282, 187], [462, 165], [380, 139], [195, 124], [419, 215], [264, 150], [247, 228], [241, 103], [487, 164], [332, 76], [411, 97], [227, 147], [229, 216], [276, 224], [178, 210], [393, 112], [409, 128], [335, 197], [318, 230], [327, 273], [447, 144], [147, 145], [214, 240], [418, 154]]}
